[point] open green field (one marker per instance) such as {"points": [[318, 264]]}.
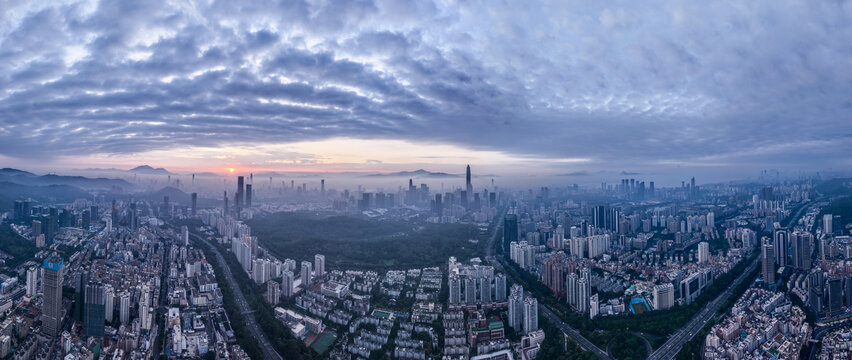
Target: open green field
{"points": [[323, 342], [354, 242]]}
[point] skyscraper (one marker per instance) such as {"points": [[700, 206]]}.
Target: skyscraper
{"points": [[287, 284], [36, 228], [454, 283], [663, 296], [485, 290], [32, 281], [95, 310], [781, 239], [470, 290], [802, 242], [306, 274], [238, 202], [553, 272], [248, 195], [109, 302], [468, 185], [516, 307], [510, 229], [145, 313], [530, 315], [703, 252], [768, 261], [184, 235], [500, 288], [124, 307], [583, 293], [319, 266], [51, 313], [273, 292], [834, 294], [594, 300], [828, 224], [194, 201], [571, 286], [85, 220]]}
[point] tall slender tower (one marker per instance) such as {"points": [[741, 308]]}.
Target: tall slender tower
{"points": [[240, 193], [306, 274], [109, 302], [468, 185], [194, 203], [768, 262], [124, 307], [782, 239], [51, 313], [145, 307]]}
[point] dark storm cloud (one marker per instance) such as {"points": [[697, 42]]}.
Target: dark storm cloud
{"points": [[765, 83]]}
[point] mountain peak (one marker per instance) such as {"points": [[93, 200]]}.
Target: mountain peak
{"points": [[11, 171], [147, 169]]}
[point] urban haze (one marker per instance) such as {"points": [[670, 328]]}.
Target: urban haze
{"points": [[447, 179]]}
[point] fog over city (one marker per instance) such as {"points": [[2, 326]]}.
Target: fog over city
{"points": [[427, 179], [583, 89]]}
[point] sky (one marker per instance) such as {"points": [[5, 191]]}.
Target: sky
{"points": [[563, 88]]}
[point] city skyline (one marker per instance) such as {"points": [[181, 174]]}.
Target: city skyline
{"points": [[434, 179], [378, 86]]}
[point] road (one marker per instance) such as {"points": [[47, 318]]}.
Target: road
{"points": [[670, 349], [821, 332], [673, 345], [798, 214], [251, 323], [547, 312]]}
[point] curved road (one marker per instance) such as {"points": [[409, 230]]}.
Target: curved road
{"points": [[268, 351]]}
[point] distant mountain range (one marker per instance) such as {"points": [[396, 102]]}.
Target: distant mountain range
{"points": [[142, 170], [9, 192], [14, 172], [21, 177], [419, 173], [147, 170]]}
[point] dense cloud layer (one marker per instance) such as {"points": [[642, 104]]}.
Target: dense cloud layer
{"points": [[738, 84]]}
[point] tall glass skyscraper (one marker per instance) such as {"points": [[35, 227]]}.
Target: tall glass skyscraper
{"points": [[51, 313], [94, 313]]}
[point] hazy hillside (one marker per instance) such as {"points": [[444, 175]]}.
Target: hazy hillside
{"points": [[9, 192]]}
